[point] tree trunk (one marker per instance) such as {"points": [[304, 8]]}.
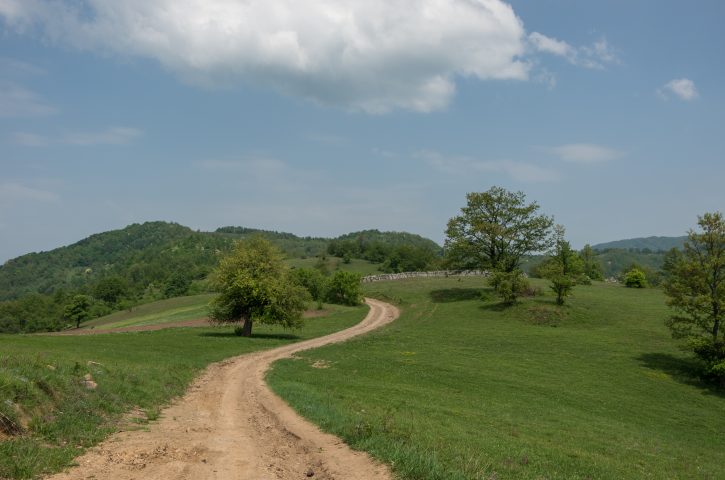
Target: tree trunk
{"points": [[247, 327]]}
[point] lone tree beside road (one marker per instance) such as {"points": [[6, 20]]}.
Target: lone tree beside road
{"points": [[695, 286], [254, 285], [495, 229]]}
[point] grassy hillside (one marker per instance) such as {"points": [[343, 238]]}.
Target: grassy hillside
{"points": [[363, 267], [459, 388], [164, 311], [41, 382]]}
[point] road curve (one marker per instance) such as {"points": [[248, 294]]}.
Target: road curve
{"points": [[230, 426]]}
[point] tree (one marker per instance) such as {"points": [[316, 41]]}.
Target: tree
{"points": [[177, 285], [344, 288], [563, 268], [111, 289], [78, 311], [590, 263], [312, 280], [495, 229], [695, 285], [254, 285]]}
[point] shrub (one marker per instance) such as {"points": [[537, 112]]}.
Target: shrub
{"points": [[344, 288], [311, 279], [635, 278], [509, 285]]}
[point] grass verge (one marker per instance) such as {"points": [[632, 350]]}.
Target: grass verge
{"points": [[460, 388], [43, 383]]}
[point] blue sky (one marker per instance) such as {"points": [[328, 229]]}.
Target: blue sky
{"points": [[321, 118]]}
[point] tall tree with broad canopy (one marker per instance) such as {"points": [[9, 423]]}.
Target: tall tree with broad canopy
{"points": [[495, 229], [254, 285], [695, 286]]}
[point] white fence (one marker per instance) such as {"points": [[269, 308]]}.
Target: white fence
{"points": [[439, 273]]}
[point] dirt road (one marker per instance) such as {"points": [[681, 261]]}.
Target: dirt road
{"points": [[229, 425]]}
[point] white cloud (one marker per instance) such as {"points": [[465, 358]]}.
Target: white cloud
{"points": [[11, 192], [18, 101], [683, 88], [584, 153], [257, 165], [595, 56], [11, 67], [29, 139], [369, 55], [109, 136], [459, 165]]}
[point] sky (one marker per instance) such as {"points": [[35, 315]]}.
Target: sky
{"points": [[320, 118]]}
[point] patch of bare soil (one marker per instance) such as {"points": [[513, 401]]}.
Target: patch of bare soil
{"points": [[229, 425]]}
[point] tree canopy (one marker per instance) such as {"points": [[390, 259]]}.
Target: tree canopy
{"points": [[255, 286], [495, 229], [695, 285]]}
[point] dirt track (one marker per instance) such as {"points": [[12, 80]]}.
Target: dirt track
{"points": [[229, 425]]}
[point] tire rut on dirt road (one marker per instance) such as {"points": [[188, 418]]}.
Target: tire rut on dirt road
{"points": [[230, 426]]}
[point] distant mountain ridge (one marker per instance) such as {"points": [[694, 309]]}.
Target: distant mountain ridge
{"points": [[654, 244]]}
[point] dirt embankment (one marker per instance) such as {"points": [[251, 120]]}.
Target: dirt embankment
{"points": [[229, 425]]}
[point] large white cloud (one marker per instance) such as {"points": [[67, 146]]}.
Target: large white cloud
{"points": [[370, 55]]}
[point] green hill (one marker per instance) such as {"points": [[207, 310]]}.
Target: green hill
{"points": [[654, 244], [142, 254], [147, 262]]}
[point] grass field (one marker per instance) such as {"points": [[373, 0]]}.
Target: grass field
{"points": [[163, 311], [363, 267], [41, 381], [459, 388]]}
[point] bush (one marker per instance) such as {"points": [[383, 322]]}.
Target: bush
{"points": [[712, 355], [635, 278], [311, 279], [509, 285], [344, 288]]}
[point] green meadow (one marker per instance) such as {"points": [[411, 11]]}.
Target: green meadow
{"points": [[356, 265], [164, 311], [462, 388], [42, 380]]}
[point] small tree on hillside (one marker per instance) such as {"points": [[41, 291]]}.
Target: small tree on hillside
{"points": [[495, 229], [695, 285], [563, 268], [590, 263], [254, 285], [79, 310]]}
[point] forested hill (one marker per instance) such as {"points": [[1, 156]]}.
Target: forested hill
{"points": [[653, 244], [155, 254], [291, 244], [142, 254], [364, 239]]}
